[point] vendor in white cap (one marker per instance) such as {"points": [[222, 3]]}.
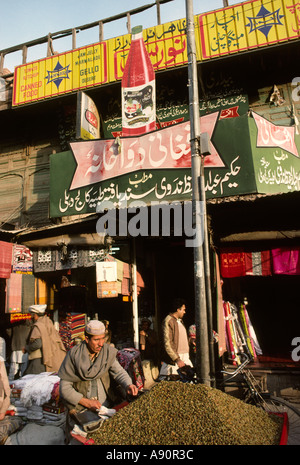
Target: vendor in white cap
{"points": [[44, 345], [88, 370]]}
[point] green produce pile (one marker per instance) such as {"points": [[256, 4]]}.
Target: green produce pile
{"points": [[176, 413]]}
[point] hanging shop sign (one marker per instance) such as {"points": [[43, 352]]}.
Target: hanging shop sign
{"points": [[247, 26], [156, 166], [87, 118], [276, 156], [229, 107], [22, 259]]}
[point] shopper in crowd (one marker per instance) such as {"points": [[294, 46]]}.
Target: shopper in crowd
{"points": [[87, 374], [192, 343], [108, 333], [148, 341], [44, 346], [175, 353], [19, 357]]}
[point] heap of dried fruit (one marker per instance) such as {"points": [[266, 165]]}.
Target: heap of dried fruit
{"points": [[175, 413]]}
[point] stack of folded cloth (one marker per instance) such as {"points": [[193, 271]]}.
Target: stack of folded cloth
{"points": [[36, 398], [71, 326], [54, 414], [34, 412], [18, 407], [43, 415]]}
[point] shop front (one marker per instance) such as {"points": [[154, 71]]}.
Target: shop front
{"points": [[259, 269]]}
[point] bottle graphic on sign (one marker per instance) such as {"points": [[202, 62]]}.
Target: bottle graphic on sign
{"points": [[138, 89]]}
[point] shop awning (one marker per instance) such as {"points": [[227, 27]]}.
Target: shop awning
{"points": [[260, 236], [82, 240]]}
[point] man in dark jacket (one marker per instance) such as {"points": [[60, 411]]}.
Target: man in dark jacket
{"points": [[175, 341]]}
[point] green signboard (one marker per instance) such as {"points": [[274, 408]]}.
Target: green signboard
{"points": [[156, 170], [276, 156], [248, 155]]}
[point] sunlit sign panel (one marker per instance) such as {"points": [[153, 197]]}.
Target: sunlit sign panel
{"points": [[99, 63], [60, 74], [247, 26]]}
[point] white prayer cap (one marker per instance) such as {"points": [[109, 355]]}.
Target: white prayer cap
{"points": [[95, 328], [39, 309]]}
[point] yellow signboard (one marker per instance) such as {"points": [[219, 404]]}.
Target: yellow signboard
{"points": [[98, 64], [60, 74], [248, 25]]}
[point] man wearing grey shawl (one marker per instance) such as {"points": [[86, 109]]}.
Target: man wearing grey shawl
{"points": [[87, 370]]}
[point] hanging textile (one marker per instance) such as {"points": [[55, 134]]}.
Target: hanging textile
{"points": [[139, 282], [16, 317], [221, 328], [6, 256], [28, 291], [130, 360], [43, 260], [71, 326], [126, 281], [237, 262], [14, 293], [232, 263], [120, 274], [245, 324], [240, 334], [231, 347], [286, 260], [258, 263], [77, 258], [252, 334], [20, 292], [51, 259]]}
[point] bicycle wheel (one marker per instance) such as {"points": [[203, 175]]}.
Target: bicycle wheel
{"points": [[279, 405]]}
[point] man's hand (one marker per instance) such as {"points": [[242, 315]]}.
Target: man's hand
{"points": [[180, 363], [92, 404], [132, 390]]}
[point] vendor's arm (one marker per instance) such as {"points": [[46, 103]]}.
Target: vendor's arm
{"points": [[74, 397], [122, 377]]}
